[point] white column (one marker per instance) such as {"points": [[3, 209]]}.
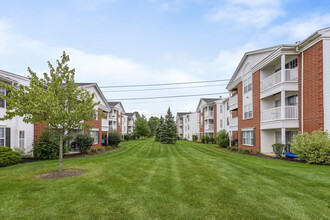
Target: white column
{"points": [[283, 136], [283, 68], [283, 105]]}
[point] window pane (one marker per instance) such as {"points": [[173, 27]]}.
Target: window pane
{"points": [[2, 132]]}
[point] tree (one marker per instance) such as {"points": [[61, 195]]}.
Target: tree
{"points": [[169, 131], [54, 100], [159, 130], [141, 128], [153, 123], [223, 138]]}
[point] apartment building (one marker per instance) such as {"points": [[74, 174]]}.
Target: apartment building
{"points": [[277, 91], [14, 132], [213, 116], [116, 115], [131, 118], [187, 123]]}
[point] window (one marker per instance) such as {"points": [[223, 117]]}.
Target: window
{"points": [[292, 64], [227, 105], [94, 116], [248, 111], [220, 123], [2, 102], [220, 108], [248, 84], [95, 136], [248, 138], [188, 127], [21, 138], [227, 121], [289, 101], [2, 136], [288, 136]]}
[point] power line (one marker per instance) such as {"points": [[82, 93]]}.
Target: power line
{"points": [[168, 97], [165, 84], [187, 87]]}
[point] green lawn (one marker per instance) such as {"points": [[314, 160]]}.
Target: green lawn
{"points": [[148, 180]]}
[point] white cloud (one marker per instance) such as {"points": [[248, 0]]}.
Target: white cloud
{"points": [[299, 29], [259, 13]]}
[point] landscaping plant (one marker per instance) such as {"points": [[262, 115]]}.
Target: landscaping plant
{"points": [[223, 138], [84, 142], [278, 149], [195, 137], [114, 138], [313, 148], [8, 156]]}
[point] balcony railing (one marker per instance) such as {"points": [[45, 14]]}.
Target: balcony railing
{"points": [[209, 127], [291, 75], [291, 112], [233, 121], [233, 101]]}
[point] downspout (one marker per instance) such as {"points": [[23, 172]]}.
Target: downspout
{"points": [[302, 92]]}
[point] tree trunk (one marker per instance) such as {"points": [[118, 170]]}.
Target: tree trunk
{"points": [[61, 153]]}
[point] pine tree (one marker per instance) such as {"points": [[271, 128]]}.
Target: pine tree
{"points": [[170, 135], [159, 129]]}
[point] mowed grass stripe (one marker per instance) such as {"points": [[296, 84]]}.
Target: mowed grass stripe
{"points": [[148, 180]]}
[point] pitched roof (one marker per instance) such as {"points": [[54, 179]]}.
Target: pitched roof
{"points": [[129, 114], [112, 104], [182, 113], [208, 100]]}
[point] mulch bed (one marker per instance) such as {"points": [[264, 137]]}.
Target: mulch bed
{"points": [[31, 159], [63, 174]]}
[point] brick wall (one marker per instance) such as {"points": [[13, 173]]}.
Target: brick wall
{"points": [[97, 123], [38, 128], [313, 110], [255, 121]]}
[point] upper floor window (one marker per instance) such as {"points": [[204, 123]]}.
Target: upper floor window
{"points": [[292, 64], [220, 108], [248, 84], [248, 111], [2, 92]]}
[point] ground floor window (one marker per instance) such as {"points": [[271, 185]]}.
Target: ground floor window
{"points": [[288, 136], [95, 136], [248, 138], [21, 139], [2, 136]]}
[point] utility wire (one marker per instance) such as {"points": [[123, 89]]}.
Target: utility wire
{"points": [[164, 84], [168, 97], [187, 87]]}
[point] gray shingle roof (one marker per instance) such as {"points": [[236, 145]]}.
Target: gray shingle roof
{"points": [[207, 100], [112, 104], [182, 113]]}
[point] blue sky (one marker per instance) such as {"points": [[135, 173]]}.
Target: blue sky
{"points": [[118, 42]]}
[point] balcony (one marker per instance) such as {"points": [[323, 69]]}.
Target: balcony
{"points": [[291, 112], [209, 115], [233, 122], [291, 75], [112, 117], [233, 102], [130, 124], [209, 127]]}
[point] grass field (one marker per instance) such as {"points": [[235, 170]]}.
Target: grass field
{"points": [[147, 180]]}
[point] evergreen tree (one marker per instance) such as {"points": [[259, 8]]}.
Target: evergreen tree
{"points": [[169, 131], [159, 129]]}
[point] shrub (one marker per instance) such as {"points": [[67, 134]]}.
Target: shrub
{"points": [[114, 138], [93, 150], [8, 157], [257, 152], [195, 137], [313, 148], [185, 139], [203, 139], [278, 149], [207, 139], [99, 149], [84, 142], [223, 138], [47, 146], [19, 150], [127, 137], [211, 139], [233, 148]]}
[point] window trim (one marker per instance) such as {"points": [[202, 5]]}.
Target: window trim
{"points": [[19, 139], [4, 135]]}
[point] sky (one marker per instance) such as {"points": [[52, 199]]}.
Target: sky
{"points": [[124, 42]]}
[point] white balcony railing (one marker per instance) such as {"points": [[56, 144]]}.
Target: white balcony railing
{"points": [[209, 114], [209, 127], [233, 121], [291, 112], [291, 75], [233, 101]]}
